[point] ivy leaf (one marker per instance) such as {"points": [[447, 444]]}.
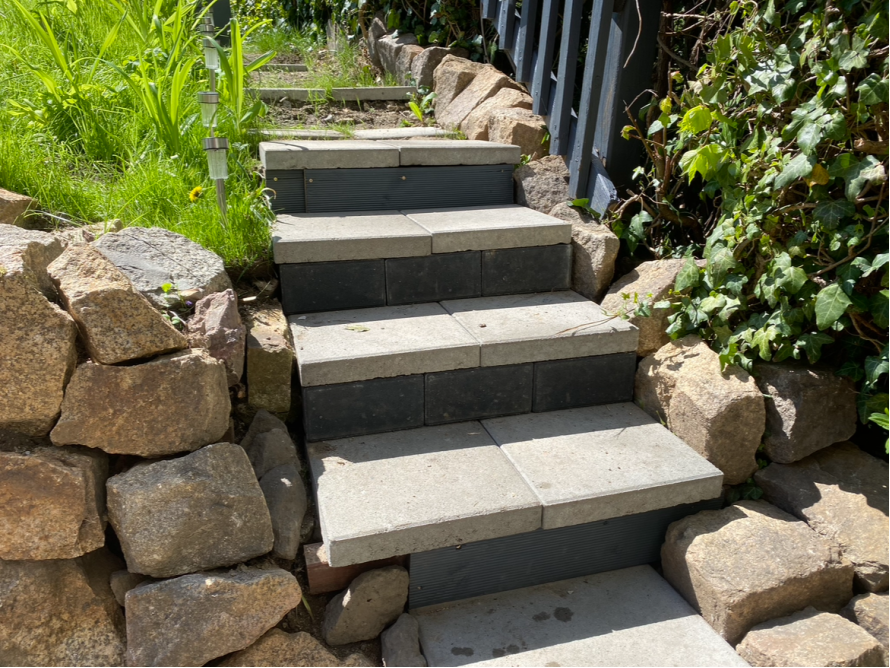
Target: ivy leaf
{"points": [[878, 307], [689, 276], [832, 211], [735, 283], [856, 173], [873, 89], [855, 57], [875, 367], [798, 168], [831, 302], [812, 344], [809, 137], [818, 177], [720, 263], [655, 127], [696, 120], [705, 160]]}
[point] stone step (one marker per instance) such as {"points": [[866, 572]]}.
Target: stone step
{"points": [[628, 617], [424, 489]]}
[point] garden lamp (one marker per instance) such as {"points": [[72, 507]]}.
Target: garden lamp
{"points": [[216, 148], [206, 27], [209, 106], [211, 56]]}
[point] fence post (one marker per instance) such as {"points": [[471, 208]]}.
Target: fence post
{"points": [[560, 118]]}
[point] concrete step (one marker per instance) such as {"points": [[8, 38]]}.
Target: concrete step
{"points": [[628, 617], [435, 487], [371, 93]]}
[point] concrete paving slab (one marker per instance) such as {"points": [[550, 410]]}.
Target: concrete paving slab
{"points": [[457, 152], [328, 237], [273, 95], [285, 67], [596, 463], [373, 93], [630, 617], [513, 329], [299, 133], [384, 342], [487, 227], [416, 490], [401, 133], [342, 154]]}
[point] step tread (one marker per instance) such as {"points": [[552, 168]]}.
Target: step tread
{"points": [[388, 341], [401, 492], [372, 235], [629, 617]]}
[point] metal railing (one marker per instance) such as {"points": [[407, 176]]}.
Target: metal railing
{"points": [[617, 67]]}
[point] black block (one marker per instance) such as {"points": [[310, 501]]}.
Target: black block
{"points": [[472, 394], [365, 407], [414, 280], [512, 271], [330, 286], [584, 381]]}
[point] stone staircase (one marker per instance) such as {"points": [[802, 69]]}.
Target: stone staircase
{"points": [[462, 405]]}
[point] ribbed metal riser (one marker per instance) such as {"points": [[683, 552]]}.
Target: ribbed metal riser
{"points": [[385, 188], [502, 564]]}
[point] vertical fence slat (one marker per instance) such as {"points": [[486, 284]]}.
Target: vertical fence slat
{"points": [[525, 43], [506, 24], [565, 83], [489, 9], [544, 64], [591, 89], [600, 190]]}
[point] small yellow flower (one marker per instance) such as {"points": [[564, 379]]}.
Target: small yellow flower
{"points": [[196, 193]]}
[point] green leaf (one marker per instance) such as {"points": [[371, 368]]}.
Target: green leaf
{"points": [[883, 421], [831, 302], [705, 161], [698, 119], [831, 212], [689, 276], [812, 344], [809, 137], [798, 168], [878, 307], [873, 89]]}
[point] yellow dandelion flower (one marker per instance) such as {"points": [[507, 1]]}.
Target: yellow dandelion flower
{"points": [[196, 193]]}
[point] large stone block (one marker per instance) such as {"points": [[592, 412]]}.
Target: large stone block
{"points": [[520, 127], [594, 251], [52, 502], [871, 612], [400, 643], [750, 563], [406, 57], [174, 403], [155, 258], [841, 492], [647, 284], [270, 449], [810, 638], [116, 322], [719, 414], [277, 648], [196, 512], [485, 84], [389, 47], [540, 184], [189, 620], [450, 78], [286, 499], [475, 125], [808, 409], [376, 30], [38, 352], [14, 209], [35, 251], [270, 359], [60, 613], [373, 601], [424, 65], [216, 326]]}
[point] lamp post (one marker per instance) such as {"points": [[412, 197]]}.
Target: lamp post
{"points": [[216, 148]]}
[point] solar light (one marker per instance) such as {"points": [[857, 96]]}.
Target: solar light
{"points": [[216, 148], [206, 27], [211, 55], [209, 106]]}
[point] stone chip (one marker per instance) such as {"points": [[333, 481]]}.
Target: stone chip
{"points": [[373, 601]]}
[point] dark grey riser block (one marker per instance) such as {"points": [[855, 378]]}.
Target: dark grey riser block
{"points": [[332, 286], [417, 280], [514, 271], [388, 404], [539, 557], [383, 188]]}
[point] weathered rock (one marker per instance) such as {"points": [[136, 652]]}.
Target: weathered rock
{"points": [[116, 322], [286, 500], [400, 643], [808, 409], [357, 660], [373, 601], [719, 414], [271, 449], [14, 209], [174, 403], [594, 250], [216, 326], [123, 581], [752, 562], [270, 359], [376, 30], [153, 258], [519, 127], [60, 613], [424, 65], [388, 48], [810, 638], [52, 502], [484, 83], [649, 283], [475, 125], [841, 492], [35, 251], [196, 512], [544, 184], [38, 352], [278, 648], [191, 619], [262, 423], [406, 57], [450, 79], [87, 233], [871, 612]]}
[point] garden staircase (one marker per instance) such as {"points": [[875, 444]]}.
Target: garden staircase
{"points": [[463, 406]]}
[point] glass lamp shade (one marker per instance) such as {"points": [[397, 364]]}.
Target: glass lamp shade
{"points": [[216, 148], [206, 27], [211, 56], [209, 106]]}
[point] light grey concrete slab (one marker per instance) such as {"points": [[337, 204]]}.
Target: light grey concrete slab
{"points": [[285, 67], [458, 152], [630, 617], [513, 329], [590, 464], [327, 237], [417, 490], [273, 95], [342, 154], [401, 133], [299, 133], [383, 342], [373, 93], [488, 227]]}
